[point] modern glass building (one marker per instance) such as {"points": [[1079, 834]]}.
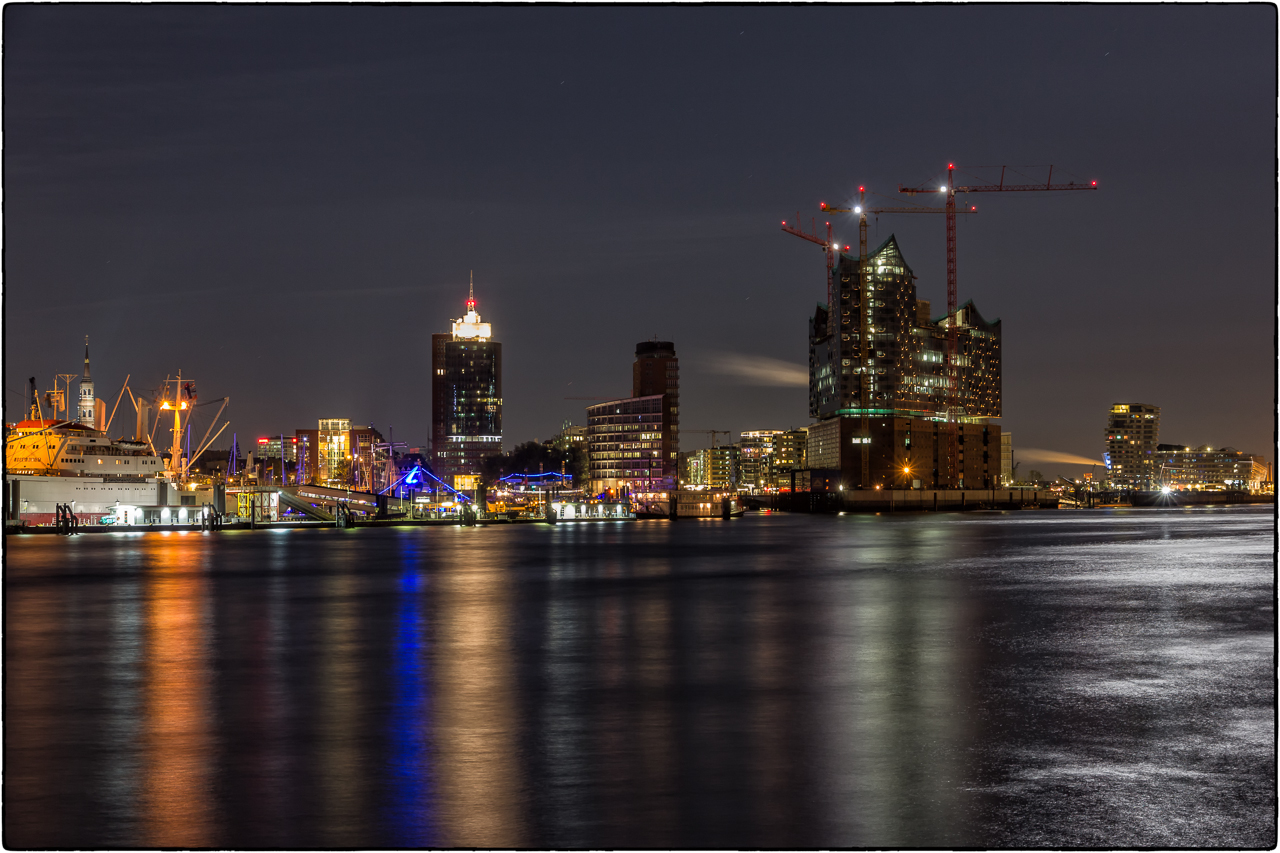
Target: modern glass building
{"points": [[466, 396], [877, 353], [904, 370]]}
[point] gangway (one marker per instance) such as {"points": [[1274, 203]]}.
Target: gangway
{"points": [[295, 502]]}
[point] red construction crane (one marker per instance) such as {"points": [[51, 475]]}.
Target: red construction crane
{"points": [[954, 403], [828, 246], [950, 189]]}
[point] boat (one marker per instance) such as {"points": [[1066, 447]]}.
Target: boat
{"points": [[690, 503], [56, 465]]}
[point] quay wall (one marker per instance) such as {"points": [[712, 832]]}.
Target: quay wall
{"points": [[910, 500]]}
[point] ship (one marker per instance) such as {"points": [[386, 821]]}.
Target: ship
{"points": [[689, 503], [56, 465]]}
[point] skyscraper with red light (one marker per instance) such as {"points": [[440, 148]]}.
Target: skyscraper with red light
{"points": [[466, 396]]}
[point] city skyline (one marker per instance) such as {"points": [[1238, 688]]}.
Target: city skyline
{"points": [[284, 179]]}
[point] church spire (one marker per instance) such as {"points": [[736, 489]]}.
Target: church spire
{"points": [[86, 356]]}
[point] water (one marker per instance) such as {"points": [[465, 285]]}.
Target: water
{"points": [[1022, 679]]}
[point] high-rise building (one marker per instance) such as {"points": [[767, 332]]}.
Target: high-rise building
{"points": [[905, 372], [1133, 430], [902, 385], [627, 446], [657, 371], [466, 396], [634, 443]]}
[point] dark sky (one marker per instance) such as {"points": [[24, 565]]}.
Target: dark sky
{"points": [[285, 202]]}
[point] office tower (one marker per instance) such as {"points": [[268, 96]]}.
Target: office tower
{"points": [[466, 396], [633, 443], [657, 371]]}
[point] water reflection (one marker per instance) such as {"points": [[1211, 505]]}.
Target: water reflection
{"points": [[411, 818], [177, 789], [476, 726], [779, 682], [341, 693]]}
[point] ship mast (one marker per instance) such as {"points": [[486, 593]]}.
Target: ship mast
{"points": [[178, 405]]}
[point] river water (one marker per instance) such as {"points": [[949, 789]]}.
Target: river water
{"points": [[1036, 678]]}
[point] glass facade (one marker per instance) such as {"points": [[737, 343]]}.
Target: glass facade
{"points": [[901, 370], [466, 397]]}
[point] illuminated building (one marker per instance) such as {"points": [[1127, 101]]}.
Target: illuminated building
{"points": [[788, 455], [333, 449], [906, 370], [755, 448], [1132, 432], [336, 454], [714, 467], [1006, 458], [903, 452], [570, 436], [1180, 467], [269, 448], [466, 396], [633, 443], [625, 446], [902, 386]]}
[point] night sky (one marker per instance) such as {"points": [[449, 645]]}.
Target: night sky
{"points": [[285, 202]]}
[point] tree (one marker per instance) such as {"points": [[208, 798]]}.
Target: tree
{"points": [[1035, 475], [533, 457]]}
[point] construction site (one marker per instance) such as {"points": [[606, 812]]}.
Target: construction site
{"points": [[901, 399]]}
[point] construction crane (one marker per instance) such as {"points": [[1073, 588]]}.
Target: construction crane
{"points": [[828, 246], [713, 432], [864, 332], [954, 402]]}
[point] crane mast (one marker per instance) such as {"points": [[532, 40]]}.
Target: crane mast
{"points": [[955, 404]]}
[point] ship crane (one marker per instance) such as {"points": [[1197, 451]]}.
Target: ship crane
{"points": [[954, 403], [864, 332]]}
